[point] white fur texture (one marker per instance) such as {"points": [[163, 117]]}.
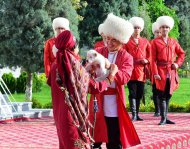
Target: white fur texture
{"points": [[117, 28], [60, 22], [137, 21], [54, 50], [165, 20], [155, 27], [100, 29], [94, 57]]}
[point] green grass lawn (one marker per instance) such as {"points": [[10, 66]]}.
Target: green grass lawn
{"points": [[44, 96], [181, 96]]}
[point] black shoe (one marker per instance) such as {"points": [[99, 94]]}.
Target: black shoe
{"points": [[169, 122], [139, 119], [162, 122], [134, 118], [156, 114]]}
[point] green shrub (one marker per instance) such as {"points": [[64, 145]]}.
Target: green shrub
{"points": [[37, 83], [176, 108], [187, 109], [148, 107], [42, 77], [10, 81], [36, 103], [48, 106], [21, 83]]}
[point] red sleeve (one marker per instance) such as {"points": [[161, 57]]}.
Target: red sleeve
{"points": [[180, 53], [47, 58], [154, 66], [149, 52], [97, 87], [125, 69]]}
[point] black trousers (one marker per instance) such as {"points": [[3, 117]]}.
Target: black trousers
{"points": [[113, 133], [165, 95], [154, 91], [114, 142], [136, 89]]}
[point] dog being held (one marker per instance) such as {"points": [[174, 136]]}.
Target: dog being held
{"points": [[98, 63]]}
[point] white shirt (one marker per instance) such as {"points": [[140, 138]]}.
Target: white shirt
{"points": [[110, 103], [136, 40]]}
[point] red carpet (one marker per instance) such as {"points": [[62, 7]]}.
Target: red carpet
{"points": [[41, 133]]}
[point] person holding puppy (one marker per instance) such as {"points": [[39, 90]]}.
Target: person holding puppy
{"points": [[113, 124]]}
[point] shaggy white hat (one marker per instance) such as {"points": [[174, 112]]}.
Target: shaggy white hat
{"points": [[155, 27], [100, 28], [137, 21], [117, 28], [60, 22], [165, 20]]}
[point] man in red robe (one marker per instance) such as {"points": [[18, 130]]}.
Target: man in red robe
{"points": [[59, 25], [157, 33], [112, 122], [167, 56], [140, 49]]}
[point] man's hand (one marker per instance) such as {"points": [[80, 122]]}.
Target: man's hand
{"points": [[144, 61], [113, 71], [157, 77], [174, 66], [108, 64]]}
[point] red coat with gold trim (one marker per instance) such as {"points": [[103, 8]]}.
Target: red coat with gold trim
{"points": [[128, 135], [163, 56], [49, 58], [139, 51]]}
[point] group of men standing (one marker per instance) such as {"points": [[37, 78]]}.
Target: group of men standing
{"points": [[156, 60], [135, 57]]}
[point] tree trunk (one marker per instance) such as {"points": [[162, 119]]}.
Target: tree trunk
{"points": [[28, 92]]}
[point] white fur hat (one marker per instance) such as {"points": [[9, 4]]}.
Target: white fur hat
{"points": [[100, 28], [117, 28], [155, 27], [60, 22], [137, 21], [165, 20]]}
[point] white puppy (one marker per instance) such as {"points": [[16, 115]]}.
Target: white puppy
{"points": [[54, 50], [99, 63]]}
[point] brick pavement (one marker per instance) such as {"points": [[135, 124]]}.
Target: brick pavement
{"points": [[41, 133]]}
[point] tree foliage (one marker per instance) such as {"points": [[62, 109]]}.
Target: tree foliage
{"points": [[22, 37], [158, 8], [143, 12], [25, 25]]}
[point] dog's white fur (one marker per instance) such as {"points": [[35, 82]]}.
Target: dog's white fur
{"points": [[95, 58], [54, 50]]}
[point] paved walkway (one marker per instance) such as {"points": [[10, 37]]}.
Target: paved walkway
{"points": [[41, 133]]}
